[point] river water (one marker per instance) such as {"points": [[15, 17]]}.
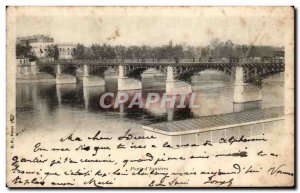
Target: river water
{"points": [[45, 107]]}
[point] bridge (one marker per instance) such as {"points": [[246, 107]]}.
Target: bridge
{"points": [[245, 73]]}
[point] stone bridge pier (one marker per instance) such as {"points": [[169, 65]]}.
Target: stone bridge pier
{"points": [[126, 83], [246, 96], [64, 78], [89, 80]]}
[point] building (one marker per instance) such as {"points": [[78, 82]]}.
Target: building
{"points": [[35, 39], [25, 68], [38, 43], [65, 50]]}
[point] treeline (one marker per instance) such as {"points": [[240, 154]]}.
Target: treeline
{"points": [[216, 49], [227, 49], [97, 51]]}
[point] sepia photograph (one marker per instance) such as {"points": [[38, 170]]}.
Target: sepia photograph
{"points": [[150, 97]]}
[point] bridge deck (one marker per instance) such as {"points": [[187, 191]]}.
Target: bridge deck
{"points": [[162, 63], [208, 123]]}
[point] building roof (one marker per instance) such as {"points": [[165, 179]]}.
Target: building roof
{"points": [[35, 38]]}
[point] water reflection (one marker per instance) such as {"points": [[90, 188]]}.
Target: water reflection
{"points": [[272, 91], [90, 95], [65, 92], [136, 106], [46, 104], [214, 93]]}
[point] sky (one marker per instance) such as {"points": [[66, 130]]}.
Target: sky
{"points": [[195, 26]]}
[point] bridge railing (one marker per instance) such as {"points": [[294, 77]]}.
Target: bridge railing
{"points": [[161, 61]]}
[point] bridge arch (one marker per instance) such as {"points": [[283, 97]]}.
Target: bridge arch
{"points": [[111, 71], [153, 71], [48, 69], [213, 75], [271, 74], [187, 75], [257, 76], [70, 70], [153, 79], [98, 70], [277, 77], [136, 73]]}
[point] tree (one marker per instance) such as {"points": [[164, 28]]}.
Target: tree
{"points": [[204, 52], [107, 52], [52, 51], [25, 50], [95, 51], [88, 54], [189, 52], [145, 52], [157, 54], [120, 51], [78, 52], [178, 52]]}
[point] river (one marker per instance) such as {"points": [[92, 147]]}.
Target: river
{"points": [[45, 107]]}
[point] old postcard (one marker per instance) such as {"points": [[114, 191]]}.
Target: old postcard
{"points": [[150, 97]]}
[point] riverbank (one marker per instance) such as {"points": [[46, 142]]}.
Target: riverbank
{"points": [[39, 78]]}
